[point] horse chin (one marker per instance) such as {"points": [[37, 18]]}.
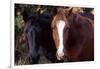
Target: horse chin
{"points": [[58, 58]]}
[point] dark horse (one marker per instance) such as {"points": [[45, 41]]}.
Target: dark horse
{"points": [[39, 35], [32, 31], [73, 36]]}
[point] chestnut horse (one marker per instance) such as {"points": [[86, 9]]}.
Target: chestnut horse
{"points": [[73, 36]]}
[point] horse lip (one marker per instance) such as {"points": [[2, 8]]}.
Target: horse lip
{"points": [[60, 58], [64, 58]]}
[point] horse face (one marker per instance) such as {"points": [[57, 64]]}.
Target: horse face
{"points": [[60, 28], [60, 36]]}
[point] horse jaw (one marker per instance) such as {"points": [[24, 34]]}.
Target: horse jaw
{"points": [[60, 27]]}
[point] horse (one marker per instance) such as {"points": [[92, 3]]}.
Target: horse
{"points": [[37, 30], [32, 31], [35, 35], [73, 35]]}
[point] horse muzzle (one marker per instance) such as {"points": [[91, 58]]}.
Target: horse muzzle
{"points": [[61, 56]]}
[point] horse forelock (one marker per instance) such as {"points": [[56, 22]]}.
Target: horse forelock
{"points": [[58, 17]]}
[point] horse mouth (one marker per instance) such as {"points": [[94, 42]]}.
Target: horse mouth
{"points": [[60, 56], [62, 59]]}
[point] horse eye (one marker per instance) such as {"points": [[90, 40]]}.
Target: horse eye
{"points": [[55, 29]]}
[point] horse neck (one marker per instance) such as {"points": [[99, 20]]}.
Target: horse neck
{"points": [[72, 19]]}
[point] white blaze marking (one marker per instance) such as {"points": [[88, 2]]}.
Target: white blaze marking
{"points": [[60, 27]]}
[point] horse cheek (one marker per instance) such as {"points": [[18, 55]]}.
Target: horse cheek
{"points": [[55, 37]]}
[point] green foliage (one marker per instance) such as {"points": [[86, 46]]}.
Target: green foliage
{"points": [[19, 21]]}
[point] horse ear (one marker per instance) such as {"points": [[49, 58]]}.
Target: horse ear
{"points": [[68, 11]]}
